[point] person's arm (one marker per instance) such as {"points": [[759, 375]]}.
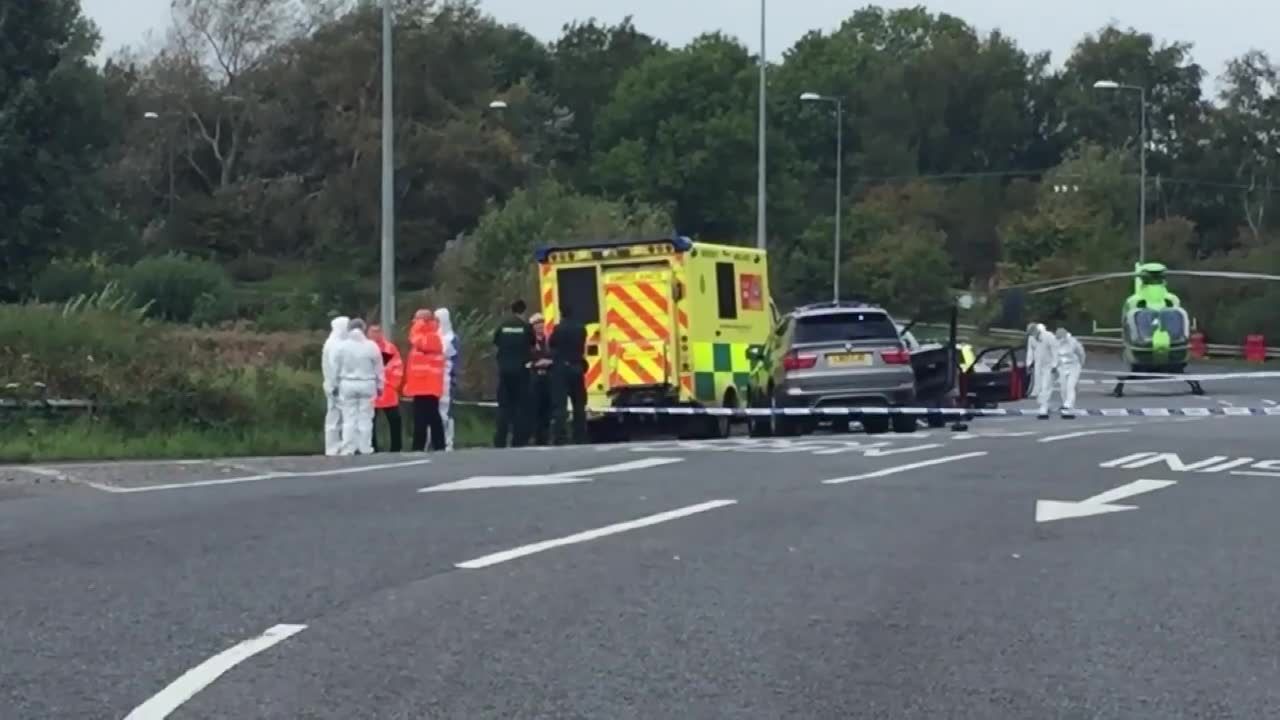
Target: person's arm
{"points": [[380, 377]]}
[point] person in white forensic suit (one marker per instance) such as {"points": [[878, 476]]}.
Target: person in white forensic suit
{"points": [[452, 346], [1043, 359], [329, 368], [360, 379], [1032, 332], [1071, 357]]}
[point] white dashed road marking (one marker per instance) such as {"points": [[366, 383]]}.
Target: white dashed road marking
{"points": [[905, 468], [1082, 433], [538, 547], [201, 676]]}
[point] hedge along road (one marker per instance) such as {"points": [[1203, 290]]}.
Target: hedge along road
{"points": [[663, 580]]}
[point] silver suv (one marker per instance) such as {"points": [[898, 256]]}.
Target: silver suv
{"points": [[833, 355]]}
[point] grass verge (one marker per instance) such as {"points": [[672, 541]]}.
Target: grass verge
{"points": [[43, 439]]}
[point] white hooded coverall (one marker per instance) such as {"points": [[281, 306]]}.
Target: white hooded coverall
{"points": [[1044, 359], [450, 343], [1070, 362], [329, 368], [360, 380]]}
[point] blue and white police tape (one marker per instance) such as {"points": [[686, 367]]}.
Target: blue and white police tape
{"points": [[939, 412]]}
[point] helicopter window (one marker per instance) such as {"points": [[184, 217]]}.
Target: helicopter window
{"points": [[1175, 323], [1143, 325]]}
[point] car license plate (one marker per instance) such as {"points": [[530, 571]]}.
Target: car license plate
{"points": [[849, 359]]}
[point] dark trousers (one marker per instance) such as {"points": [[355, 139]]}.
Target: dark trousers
{"points": [[539, 407], [392, 414], [568, 384], [513, 391], [426, 414]]}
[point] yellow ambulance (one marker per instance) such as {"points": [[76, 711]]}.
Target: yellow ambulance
{"points": [[668, 321]]}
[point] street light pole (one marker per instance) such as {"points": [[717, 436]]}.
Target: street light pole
{"points": [[761, 191], [1142, 180], [835, 261], [168, 149], [387, 295], [1142, 159]]}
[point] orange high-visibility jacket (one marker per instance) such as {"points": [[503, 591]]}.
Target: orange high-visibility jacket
{"points": [[424, 374], [394, 374]]}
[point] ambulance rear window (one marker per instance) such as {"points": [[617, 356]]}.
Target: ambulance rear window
{"points": [[577, 288], [841, 327], [726, 291]]}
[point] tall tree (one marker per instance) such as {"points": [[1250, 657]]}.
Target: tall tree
{"points": [[52, 134]]}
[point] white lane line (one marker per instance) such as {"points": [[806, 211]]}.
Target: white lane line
{"points": [[1082, 433], [256, 478], [584, 536], [905, 468], [201, 676], [487, 482]]}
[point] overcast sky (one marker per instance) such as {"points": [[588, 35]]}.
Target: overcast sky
{"points": [[1219, 29]]}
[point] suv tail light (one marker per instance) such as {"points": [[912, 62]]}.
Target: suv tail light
{"points": [[796, 361], [896, 357]]}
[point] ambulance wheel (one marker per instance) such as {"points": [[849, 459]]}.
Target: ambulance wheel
{"points": [[723, 426]]}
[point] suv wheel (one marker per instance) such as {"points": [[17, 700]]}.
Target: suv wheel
{"points": [[875, 424], [759, 426], [780, 425]]}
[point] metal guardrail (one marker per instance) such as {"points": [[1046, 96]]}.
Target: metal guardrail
{"points": [[42, 402]]}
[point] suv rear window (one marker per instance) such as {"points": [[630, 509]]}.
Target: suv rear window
{"points": [[839, 327]]}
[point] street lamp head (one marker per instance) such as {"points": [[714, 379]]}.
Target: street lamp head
{"points": [[1106, 85], [151, 115], [498, 105], [810, 97]]}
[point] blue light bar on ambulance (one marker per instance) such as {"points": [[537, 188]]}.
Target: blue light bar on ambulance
{"points": [[615, 248]]}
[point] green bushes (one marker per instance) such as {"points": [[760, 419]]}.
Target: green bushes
{"points": [[182, 289], [65, 279]]}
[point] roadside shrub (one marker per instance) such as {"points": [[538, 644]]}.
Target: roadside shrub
{"points": [[175, 285], [63, 280], [251, 268]]}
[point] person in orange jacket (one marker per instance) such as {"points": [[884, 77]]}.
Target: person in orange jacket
{"points": [[424, 380], [389, 401]]}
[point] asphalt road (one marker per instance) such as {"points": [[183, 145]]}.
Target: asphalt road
{"points": [[919, 585]]}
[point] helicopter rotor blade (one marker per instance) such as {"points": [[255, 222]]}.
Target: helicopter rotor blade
{"points": [[1227, 274], [1070, 283], [1057, 283]]}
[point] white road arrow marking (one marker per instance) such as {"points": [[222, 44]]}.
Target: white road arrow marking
{"points": [[482, 482], [1050, 510]]}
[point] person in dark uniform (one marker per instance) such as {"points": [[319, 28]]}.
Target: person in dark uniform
{"points": [[568, 370], [539, 408], [514, 341]]}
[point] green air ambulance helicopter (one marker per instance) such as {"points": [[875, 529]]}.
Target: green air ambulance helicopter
{"points": [[1154, 326]]}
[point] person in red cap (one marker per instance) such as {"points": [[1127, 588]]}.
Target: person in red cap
{"points": [[388, 403]]}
